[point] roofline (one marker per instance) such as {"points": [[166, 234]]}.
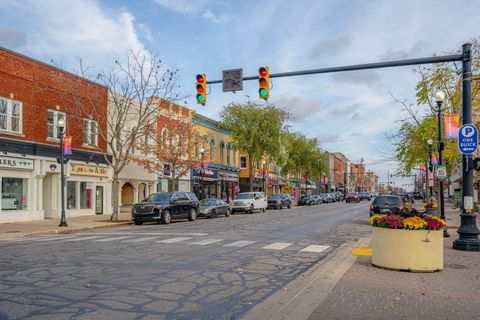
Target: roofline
{"points": [[51, 66]]}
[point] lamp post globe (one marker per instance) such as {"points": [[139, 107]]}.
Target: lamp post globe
{"points": [[439, 97], [430, 142]]}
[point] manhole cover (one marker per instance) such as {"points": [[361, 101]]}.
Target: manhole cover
{"points": [[455, 266]]}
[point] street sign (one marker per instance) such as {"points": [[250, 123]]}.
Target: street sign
{"points": [[468, 139], [441, 171], [232, 80]]}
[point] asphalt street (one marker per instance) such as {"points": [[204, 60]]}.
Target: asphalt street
{"points": [[207, 269]]}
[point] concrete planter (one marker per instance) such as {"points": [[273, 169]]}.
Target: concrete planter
{"points": [[410, 250]]}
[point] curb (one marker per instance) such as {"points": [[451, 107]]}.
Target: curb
{"points": [[65, 231], [300, 298]]}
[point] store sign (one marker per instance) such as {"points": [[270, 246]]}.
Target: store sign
{"points": [[87, 170], [16, 163]]}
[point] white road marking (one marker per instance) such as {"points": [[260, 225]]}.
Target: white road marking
{"points": [[277, 246], [239, 244], [314, 248], [112, 239], [83, 238], [174, 240], [53, 238], [206, 241], [145, 233], [142, 239]]}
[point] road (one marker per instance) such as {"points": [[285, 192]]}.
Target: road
{"points": [[207, 269]]}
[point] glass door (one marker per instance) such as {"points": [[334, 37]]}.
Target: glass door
{"points": [[99, 200]]}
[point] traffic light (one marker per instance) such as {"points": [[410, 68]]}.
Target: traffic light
{"points": [[201, 88], [264, 83]]}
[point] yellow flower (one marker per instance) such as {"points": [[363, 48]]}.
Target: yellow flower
{"points": [[414, 223], [375, 217], [438, 219]]}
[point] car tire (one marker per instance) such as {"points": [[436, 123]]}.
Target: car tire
{"points": [[289, 206], [192, 216], [228, 213], [214, 214], [251, 209], [137, 223], [166, 217]]}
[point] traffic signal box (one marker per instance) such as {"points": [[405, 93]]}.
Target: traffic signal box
{"points": [[201, 89], [264, 82]]}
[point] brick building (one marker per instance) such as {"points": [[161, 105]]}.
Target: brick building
{"points": [[33, 97]]}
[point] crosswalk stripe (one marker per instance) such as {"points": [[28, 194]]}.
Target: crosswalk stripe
{"points": [[277, 246], [112, 239], [239, 244], [142, 239], [314, 248], [206, 241], [83, 238], [54, 238], [174, 240]]}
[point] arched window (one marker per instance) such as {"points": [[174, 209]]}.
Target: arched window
{"points": [[228, 153], [222, 149], [234, 156], [212, 149]]}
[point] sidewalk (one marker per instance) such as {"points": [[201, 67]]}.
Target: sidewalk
{"points": [[50, 226], [367, 292]]}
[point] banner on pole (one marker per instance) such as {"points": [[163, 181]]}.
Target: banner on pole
{"points": [[67, 146], [452, 125]]}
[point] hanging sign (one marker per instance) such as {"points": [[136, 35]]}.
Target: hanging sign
{"points": [[452, 125], [67, 146]]}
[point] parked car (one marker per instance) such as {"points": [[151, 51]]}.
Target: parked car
{"points": [[340, 195], [365, 196], [249, 202], [306, 201], [329, 198], [318, 199], [279, 201], [385, 204], [212, 207], [352, 197], [165, 206]]}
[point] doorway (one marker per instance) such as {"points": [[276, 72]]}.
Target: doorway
{"points": [[99, 200]]}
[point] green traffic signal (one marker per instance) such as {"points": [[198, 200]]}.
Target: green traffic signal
{"points": [[262, 92], [200, 98]]}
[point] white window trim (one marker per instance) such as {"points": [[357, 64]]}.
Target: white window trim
{"points": [[9, 117], [55, 123], [243, 167], [89, 136]]}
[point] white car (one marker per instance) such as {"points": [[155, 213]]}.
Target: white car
{"points": [[248, 202]]}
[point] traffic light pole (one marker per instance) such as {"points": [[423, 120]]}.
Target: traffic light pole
{"points": [[468, 231]]}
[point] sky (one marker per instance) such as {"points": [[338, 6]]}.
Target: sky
{"points": [[349, 112]]}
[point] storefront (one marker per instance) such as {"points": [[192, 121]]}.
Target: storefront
{"points": [[228, 184], [204, 183]]}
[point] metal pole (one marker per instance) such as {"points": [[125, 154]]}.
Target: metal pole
{"points": [[468, 231], [63, 219], [440, 162], [430, 168]]}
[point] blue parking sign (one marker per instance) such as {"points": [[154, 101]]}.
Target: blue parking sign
{"points": [[468, 139]]}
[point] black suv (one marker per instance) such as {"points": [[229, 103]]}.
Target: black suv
{"points": [[165, 206], [386, 203], [279, 201]]}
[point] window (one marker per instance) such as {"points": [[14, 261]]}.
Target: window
{"points": [[85, 196], [52, 122], [222, 149], [197, 151], [90, 133], [14, 194], [212, 149], [235, 158], [10, 115], [243, 162], [228, 154], [71, 195]]}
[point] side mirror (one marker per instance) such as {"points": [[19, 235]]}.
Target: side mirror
{"points": [[257, 198], [173, 200]]}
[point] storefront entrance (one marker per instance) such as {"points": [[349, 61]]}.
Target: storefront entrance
{"points": [[99, 200], [127, 194]]}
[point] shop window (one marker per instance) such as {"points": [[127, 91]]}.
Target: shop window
{"points": [[52, 122], [14, 193], [10, 115], [90, 132], [71, 195], [243, 162], [85, 196]]}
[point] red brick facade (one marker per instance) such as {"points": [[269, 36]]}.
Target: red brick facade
{"points": [[40, 87]]}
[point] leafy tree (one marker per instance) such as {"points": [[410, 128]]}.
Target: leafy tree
{"points": [[255, 129]]}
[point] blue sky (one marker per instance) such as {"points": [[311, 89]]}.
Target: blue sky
{"points": [[348, 112]]}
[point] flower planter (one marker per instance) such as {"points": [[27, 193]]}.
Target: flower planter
{"points": [[410, 250]]}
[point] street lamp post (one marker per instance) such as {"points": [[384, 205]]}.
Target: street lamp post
{"points": [[202, 190], [439, 99], [61, 128], [263, 177], [430, 165], [324, 182]]}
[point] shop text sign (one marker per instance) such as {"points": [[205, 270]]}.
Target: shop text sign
{"points": [[88, 170], [16, 163]]}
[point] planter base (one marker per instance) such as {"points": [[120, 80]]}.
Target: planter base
{"points": [[407, 250]]}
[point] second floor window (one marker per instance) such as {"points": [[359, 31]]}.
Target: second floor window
{"points": [[52, 122], [90, 133], [243, 162], [10, 115]]}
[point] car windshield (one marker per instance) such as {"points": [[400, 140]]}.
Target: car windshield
{"points": [[244, 196], [352, 194], [364, 193], [305, 197], [276, 196], [208, 202], [158, 197], [391, 200]]}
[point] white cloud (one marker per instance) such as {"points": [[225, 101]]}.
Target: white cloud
{"points": [[209, 15], [181, 6]]}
